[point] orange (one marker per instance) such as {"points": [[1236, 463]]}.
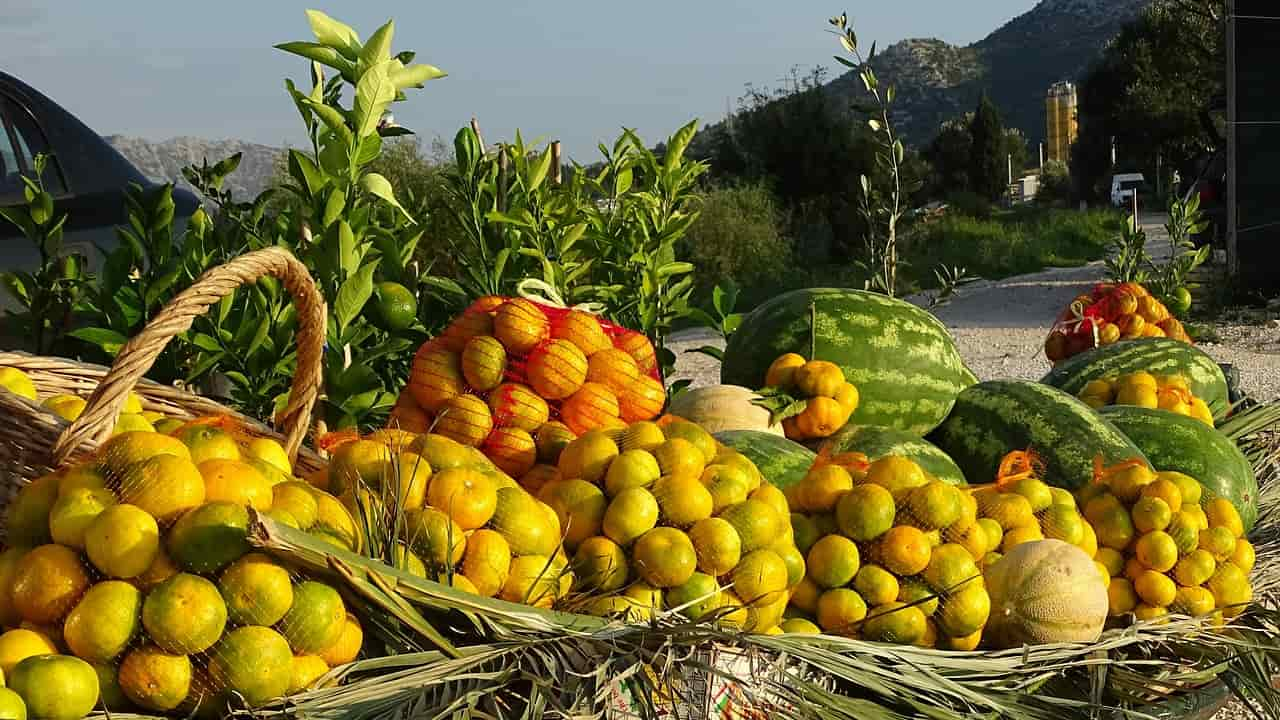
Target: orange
{"points": [[484, 362], [306, 670], [486, 561], [760, 578], [818, 378], [73, 512], [898, 475], [821, 418], [213, 535], [821, 489], [466, 496], [473, 321], [632, 468], [465, 418], [673, 427], [579, 505], [682, 500], [664, 557], [358, 463], [208, 442], [782, 370], [840, 611], [184, 614], [19, 644], [678, 457], [512, 450], [632, 513], [551, 439], [848, 398], [556, 369], [47, 583], [539, 476], [347, 648], [904, 550], [773, 497], [408, 415], [588, 457], [237, 482], [435, 377], [592, 406], [832, 561], [640, 348], [520, 325], [643, 400], [600, 565], [865, 512], [518, 406], [104, 622], [613, 368], [758, 524], [257, 591], [315, 620], [716, 544], [254, 662], [1222, 513], [583, 330], [55, 687], [436, 537]]}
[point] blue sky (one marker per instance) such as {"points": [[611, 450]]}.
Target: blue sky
{"points": [[573, 70]]}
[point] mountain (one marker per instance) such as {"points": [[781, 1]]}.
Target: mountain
{"points": [[163, 161], [1016, 64]]}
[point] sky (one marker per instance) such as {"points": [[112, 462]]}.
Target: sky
{"points": [[570, 70]]}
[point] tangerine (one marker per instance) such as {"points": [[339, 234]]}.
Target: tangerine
{"points": [[556, 369], [520, 325]]}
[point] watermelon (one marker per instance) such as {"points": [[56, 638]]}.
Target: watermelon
{"points": [[1158, 356], [1186, 445], [877, 442], [782, 462], [902, 359], [994, 418]]}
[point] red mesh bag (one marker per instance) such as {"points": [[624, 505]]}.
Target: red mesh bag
{"points": [[1108, 314]]}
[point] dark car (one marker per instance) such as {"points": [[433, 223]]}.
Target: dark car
{"points": [[86, 176]]}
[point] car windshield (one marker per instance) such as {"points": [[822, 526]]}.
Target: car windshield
{"points": [[1130, 184]]}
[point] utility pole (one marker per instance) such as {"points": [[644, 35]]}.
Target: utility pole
{"points": [[1042, 156], [1113, 149]]}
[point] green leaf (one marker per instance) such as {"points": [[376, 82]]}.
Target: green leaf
{"points": [[378, 49], [109, 340], [415, 76], [374, 92], [206, 342], [674, 268], [304, 171], [709, 351], [444, 284], [316, 52], [353, 295], [337, 35], [348, 252], [376, 184], [677, 144], [539, 172], [332, 118], [258, 338], [13, 283], [333, 207], [370, 148]]}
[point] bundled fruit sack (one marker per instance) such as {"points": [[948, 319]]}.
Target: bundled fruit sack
{"points": [[1107, 315], [812, 396], [507, 366], [1142, 389], [660, 516], [69, 406], [1166, 545], [128, 581], [462, 521]]}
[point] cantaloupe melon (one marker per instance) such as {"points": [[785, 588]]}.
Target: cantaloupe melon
{"points": [[723, 407], [1046, 591]]}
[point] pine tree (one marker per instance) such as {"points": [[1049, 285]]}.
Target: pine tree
{"points": [[988, 166]]}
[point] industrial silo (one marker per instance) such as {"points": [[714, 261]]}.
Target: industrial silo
{"points": [[1061, 122]]}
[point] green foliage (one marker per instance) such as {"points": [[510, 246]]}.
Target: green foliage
{"points": [[988, 165], [1128, 260], [950, 155], [721, 318], [1055, 185], [739, 238], [1185, 221], [48, 296]]}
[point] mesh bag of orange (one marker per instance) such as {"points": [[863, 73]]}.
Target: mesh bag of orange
{"points": [[128, 581], [509, 369], [1108, 314]]}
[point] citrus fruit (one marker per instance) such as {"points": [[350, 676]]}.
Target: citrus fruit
{"points": [[1019, 535], [822, 417], [757, 523], [848, 397], [47, 583], [210, 537], [1157, 550], [664, 557], [164, 486], [804, 531], [728, 486], [333, 518], [184, 614], [1189, 489], [393, 307], [1121, 596], [876, 585], [600, 565], [17, 382], [296, 498], [236, 482], [1114, 528], [12, 706], [104, 622], [1218, 541], [358, 463], [647, 435], [1243, 556], [697, 598], [1127, 484], [557, 369], [315, 620], [583, 330], [776, 499], [437, 538], [486, 561], [1034, 490], [817, 378], [81, 477], [1230, 588], [993, 532], [532, 580], [682, 500], [1063, 523], [933, 505], [613, 368], [72, 513], [130, 448], [794, 560], [208, 442], [782, 370], [67, 407], [347, 648], [27, 517], [19, 644], [1062, 496], [484, 362], [1154, 588], [973, 539], [631, 469], [435, 376], [55, 687], [821, 489], [406, 478], [639, 348], [131, 423], [1165, 489], [254, 662], [912, 591], [257, 591], [590, 407], [513, 450], [1008, 509], [965, 612], [306, 669], [950, 567], [642, 400], [538, 477], [678, 428], [270, 452], [517, 406], [894, 622], [832, 561], [716, 546], [896, 474], [517, 516], [1223, 514], [1195, 568], [475, 320], [588, 457], [580, 507], [1151, 513], [1111, 559], [632, 513], [1194, 601], [464, 418], [903, 550], [9, 558], [840, 610], [466, 496], [520, 325]]}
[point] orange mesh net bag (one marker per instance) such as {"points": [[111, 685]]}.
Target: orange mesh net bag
{"points": [[1108, 314]]}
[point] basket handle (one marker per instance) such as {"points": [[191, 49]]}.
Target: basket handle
{"points": [[138, 354]]}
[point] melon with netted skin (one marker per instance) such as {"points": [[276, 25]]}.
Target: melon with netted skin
{"points": [[1046, 591]]}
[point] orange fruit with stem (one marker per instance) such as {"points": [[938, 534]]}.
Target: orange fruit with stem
{"points": [[520, 325], [782, 370], [592, 406], [556, 369], [821, 418], [818, 378], [468, 497], [583, 330]]}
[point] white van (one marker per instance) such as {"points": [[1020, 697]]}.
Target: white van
{"points": [[1123, 187]]}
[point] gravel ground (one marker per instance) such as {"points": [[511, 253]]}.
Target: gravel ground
{"points": [[1000, 327]]}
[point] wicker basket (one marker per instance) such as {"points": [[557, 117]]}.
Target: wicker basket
{"points": [[34, 441]]}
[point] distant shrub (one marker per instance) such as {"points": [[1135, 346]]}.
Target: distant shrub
{"points": [[1055, 185], [969, 204], [738, 237]]}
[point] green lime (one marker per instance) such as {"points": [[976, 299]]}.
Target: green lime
{"points": [[1180, 301], [393, 306]]}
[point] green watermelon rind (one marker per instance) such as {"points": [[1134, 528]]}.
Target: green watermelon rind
{"points": [[1186, 445], [994, 418], [902, 359], [1158, 356], [782, 462], [877, 442]]}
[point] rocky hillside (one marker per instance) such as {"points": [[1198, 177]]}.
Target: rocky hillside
{"points": [[1016, 64], [163, 161]]}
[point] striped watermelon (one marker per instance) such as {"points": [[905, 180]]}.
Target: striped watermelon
{"points": [[877, 442], [1176, 442], [1158, 356], [782, 462], [902, 359], [993, 418]]}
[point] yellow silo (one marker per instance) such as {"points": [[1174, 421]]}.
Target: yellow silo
{"points": [[1061, 122]]}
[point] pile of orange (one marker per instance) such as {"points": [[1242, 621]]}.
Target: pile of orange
{"points": [[659, 516], [891, 555], [829, 399], [1021, 508], [1109, 314], [129, 582], [1142, 389], [507, 367]]}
